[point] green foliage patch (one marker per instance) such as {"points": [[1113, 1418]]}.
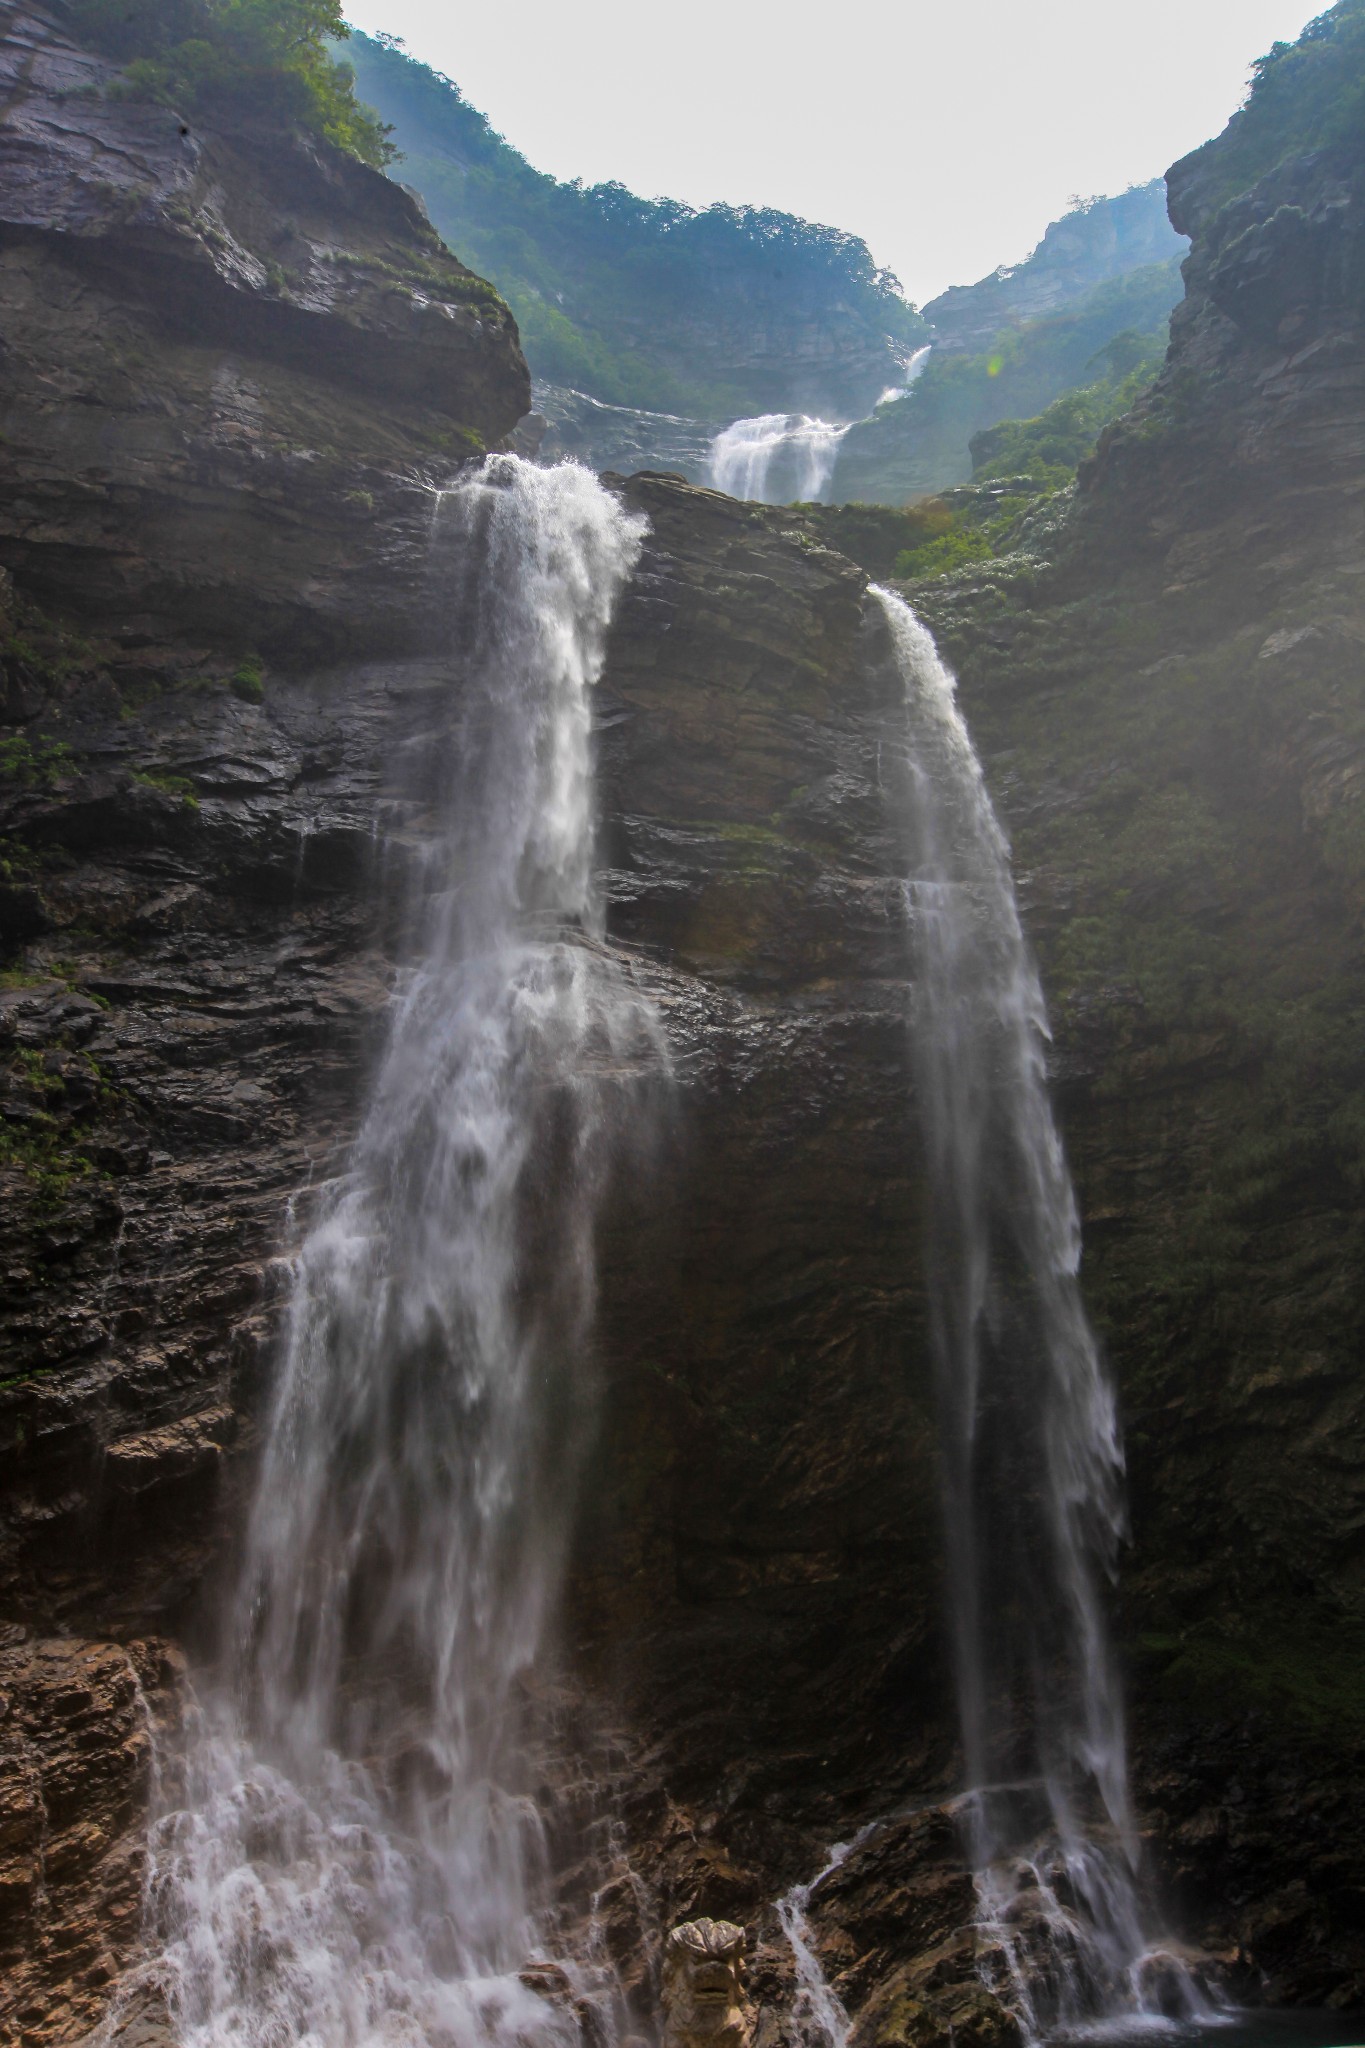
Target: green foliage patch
{"points": [[34, 1140], [1312, 1679], [32, 763], [248, 680], [266, 58], [876, 536], [173, 785], [1052, 446], [1304, 96], [979, 526]]}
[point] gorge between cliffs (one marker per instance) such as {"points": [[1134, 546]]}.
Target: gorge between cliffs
{"points": [[680, 1325]]}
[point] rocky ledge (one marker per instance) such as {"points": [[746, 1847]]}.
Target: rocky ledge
{"points": [[222, 357]]}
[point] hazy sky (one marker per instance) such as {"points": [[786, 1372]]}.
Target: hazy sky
{"points": [[946, 132]]}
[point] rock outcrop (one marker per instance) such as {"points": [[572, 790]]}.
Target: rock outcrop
{"points": [[77, 1730], [1099, 240], [621, 437], [219, 355]]}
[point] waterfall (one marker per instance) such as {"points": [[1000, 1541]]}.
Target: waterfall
{"points": [[817, 2011], [355, 1857], [777, 458], [911, 375], [781, 458], [1031, 1455]]}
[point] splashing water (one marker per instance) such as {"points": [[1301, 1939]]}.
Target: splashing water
{"points": [[782, 457], [817, 2011], [1032, 1460], [776, 459], [356, 1858]]}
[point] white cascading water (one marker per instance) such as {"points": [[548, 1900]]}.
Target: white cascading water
{"points": [[914, 369], [354, 1858], [782, 458], [776, 459], [818, 2014], [1032, 1460]]}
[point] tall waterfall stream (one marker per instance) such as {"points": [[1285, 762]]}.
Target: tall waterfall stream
{"points": [[361, 1864], [1031, 1456]]}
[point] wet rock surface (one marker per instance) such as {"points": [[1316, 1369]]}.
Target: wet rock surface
{"points": [[620, 437], [223, 359], [76, 1742], [224, 893]]}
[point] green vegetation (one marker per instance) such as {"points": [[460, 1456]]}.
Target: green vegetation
{"points": [[35, 1140], [32, 764], [877, 535], [1100, 239], [1312, 1678], [925, 441], [610, 290], [173, 785], [1020, 464], [1026, 368], [1304, 96], [1051, 447], [265, 58], [972, 526], [248, 680]]}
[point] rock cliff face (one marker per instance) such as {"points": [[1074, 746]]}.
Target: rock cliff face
{"points": [[1099, 240], [219, 355], [223, 637], [621, 438]]}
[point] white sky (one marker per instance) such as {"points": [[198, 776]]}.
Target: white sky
{"points": [[946, 132]]}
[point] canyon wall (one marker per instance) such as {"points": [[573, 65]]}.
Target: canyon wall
{"points": [[232, 382]]}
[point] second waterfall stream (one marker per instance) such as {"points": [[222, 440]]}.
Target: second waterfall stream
{"points": [[1030, 1451], [354, 1857]]}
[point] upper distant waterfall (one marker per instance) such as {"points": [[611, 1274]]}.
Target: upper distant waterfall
{"points": [[911, 375], [1031, 1455], [776, 458], [781, 458], [354, 1858]]}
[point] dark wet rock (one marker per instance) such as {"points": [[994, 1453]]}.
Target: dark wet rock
{"points": [[226, 362], [620, 437]]}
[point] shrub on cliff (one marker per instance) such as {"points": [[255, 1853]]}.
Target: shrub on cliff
{"points": [[1304, 96], [268, 57]]}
